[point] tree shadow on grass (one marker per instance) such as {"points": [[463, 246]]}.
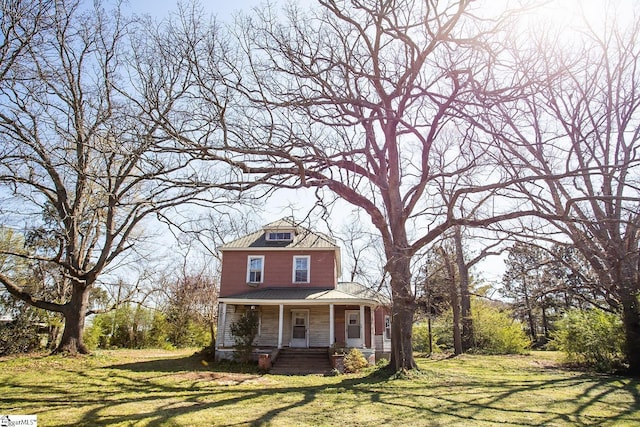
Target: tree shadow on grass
{"points": [[161, 365], [414, 395], [188, 363], [168, 391]]}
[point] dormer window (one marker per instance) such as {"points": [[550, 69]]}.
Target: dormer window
{"points": [[280, 236]]}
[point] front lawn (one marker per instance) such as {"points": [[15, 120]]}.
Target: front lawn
{"points": [[162, 388]]}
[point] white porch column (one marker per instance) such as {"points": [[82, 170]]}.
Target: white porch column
{"points": [[332, 328], [373, 328], [364, 341], [222, 320], [280, 325]]}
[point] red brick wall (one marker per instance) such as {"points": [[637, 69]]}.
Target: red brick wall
{"points": [[278, 270], [379, 316], [367, 327], [339, 332]]}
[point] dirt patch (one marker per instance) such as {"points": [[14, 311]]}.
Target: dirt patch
{"points": [[222, 378], [547, 364]]}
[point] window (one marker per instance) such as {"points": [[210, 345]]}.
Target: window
{"points": [[353, 325], [387, 327], [301, 269], [283, 236], [255, 269]]}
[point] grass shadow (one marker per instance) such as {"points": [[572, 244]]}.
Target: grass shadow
{"points": [[188, 363], [181, 390]]}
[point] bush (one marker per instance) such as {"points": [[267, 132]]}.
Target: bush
{"points": [[420, 338], [95, 334], [495, 331], [21, 334], [592, 337], [245, 331], [442, 330], [355, 361], [132, 327], [158, 336]]}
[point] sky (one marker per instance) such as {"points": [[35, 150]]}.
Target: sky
{"points": [[221, 8], [560, 11]]}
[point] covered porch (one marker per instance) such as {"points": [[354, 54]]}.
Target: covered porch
{"points": [[301, 318]]}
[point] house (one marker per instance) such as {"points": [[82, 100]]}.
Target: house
{"points": [[289, 275]]}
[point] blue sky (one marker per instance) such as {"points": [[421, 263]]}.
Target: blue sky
{"points": [[222, 9]]}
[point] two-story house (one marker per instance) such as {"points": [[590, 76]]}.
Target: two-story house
{"points": [[289, 275]]}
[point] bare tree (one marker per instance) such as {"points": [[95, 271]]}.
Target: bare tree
{"points": [[362, 249], [80, 167], [581, 132], [523, 283], [20, 22], [191, 297], [465, 261], [454, 296], [363, 100]]}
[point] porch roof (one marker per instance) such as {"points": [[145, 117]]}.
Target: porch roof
{"points": [[345, 293]]}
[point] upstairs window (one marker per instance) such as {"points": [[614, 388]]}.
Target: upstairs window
{"points": [[255, 269], [280, 236], [301, 269]]}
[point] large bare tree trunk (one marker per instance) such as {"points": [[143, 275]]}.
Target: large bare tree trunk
{"points": [[455, 303], [631, 322], [402, 312], [465, 295], [74, 316], [629, 288]]}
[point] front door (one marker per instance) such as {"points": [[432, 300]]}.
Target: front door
{"points": [[352, 325], [299, 328]]}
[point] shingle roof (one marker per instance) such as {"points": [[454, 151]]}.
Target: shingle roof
{"points": [[360, 291], [344, 292], [303, 238]]}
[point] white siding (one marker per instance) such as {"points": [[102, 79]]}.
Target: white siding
{"points": [[268, 326], [382, 345], [319, 326], [233, 314]]}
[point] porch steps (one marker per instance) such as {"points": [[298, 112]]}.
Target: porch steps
{"points": [[302, 361]]}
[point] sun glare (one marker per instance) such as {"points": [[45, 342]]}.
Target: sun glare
{"points": [[576, 14]]}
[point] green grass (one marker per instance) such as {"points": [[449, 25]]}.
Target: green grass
{"points": [[162, 388]]}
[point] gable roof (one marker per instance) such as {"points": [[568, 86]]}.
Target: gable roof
{"points": [[303, 238]]}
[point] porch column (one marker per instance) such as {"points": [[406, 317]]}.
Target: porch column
{"points": [[364, 341], [222, 320], [332, 327], [280, 324], [373, 328]]}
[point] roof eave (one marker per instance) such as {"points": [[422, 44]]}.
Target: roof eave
{"points": [[340, 301], [270, 248]]}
